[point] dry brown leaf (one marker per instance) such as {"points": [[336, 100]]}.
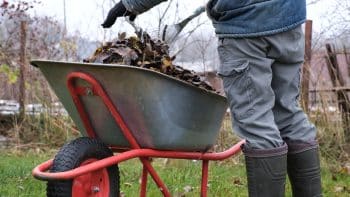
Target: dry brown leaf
{"points": [[122, 36]]}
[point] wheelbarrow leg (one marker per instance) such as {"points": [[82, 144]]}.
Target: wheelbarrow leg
{"points": [[204, 187], [147, 164], [144, 182]]}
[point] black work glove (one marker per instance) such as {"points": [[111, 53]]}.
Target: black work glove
{"points": [[118, 10]]}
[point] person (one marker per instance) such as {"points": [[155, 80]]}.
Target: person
{"points": [[261, 50]]}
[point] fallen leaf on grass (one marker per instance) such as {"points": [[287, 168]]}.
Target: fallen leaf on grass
{"points": [[122, 194], [345, 169], [334, 177], [339, 189], [128, 184], [188, 189], [237, 181]]}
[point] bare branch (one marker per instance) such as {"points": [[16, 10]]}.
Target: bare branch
{"points": [[310, 2]]}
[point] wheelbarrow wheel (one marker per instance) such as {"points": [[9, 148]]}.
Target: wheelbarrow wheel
{"points": [[79, 152]]}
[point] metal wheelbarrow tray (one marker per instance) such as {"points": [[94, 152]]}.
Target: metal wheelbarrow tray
{"points": [[147, 113]]}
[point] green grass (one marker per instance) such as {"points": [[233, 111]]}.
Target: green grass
{"points": [[15, 175], [225, 178]]}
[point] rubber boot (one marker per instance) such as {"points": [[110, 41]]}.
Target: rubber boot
{"points": [[304, 169], [266, 171]]}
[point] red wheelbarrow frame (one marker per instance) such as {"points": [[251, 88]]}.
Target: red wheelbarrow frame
{"points": [[40, 171]]}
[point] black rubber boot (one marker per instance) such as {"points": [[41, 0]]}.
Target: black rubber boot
{"points": [[266, 171], [304, 169]]}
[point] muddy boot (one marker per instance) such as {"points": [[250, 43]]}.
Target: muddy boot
{"points": [[304, 169], [266, 171]]}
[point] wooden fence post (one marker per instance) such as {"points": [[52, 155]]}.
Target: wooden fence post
{"points": [[347, 59], [342, 96], [306, 67], [22, 62]]}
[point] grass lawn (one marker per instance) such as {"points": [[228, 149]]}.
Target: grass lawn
{"points": [[182, 177]]}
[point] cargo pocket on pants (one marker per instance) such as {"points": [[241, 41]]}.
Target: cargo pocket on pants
{"points": [[238, 86]]}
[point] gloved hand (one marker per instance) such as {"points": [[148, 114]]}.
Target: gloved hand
{"points": [[118, 10]]}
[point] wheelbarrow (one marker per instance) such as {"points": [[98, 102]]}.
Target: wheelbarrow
{"points": [[125, 112]]}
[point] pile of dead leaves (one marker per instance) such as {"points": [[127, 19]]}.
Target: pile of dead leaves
{"points": [[142, 51]]}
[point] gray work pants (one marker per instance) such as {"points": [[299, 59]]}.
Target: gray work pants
{"points": [[261, 78]]}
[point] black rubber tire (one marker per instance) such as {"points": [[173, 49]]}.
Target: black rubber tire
{"points": [[71, 155]]}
